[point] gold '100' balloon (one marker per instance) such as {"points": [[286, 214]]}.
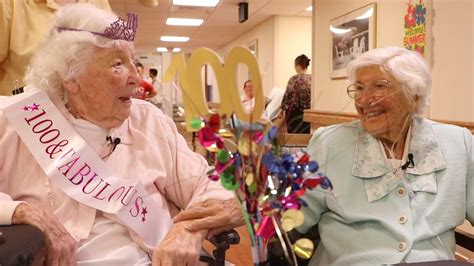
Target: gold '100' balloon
{"points": [[190, 79]]}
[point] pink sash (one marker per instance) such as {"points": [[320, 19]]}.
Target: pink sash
{"points": [[75, 167]]}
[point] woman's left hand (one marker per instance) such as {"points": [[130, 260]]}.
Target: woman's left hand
{"points": [[212, 214], [179, 247]]}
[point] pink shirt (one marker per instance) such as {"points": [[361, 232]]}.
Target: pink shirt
{"points": [[150, 147]]}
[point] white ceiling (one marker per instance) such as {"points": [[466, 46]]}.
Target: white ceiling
{"points": [[220, 25]]}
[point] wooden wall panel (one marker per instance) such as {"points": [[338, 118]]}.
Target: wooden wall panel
{"points": [[322, 118]]}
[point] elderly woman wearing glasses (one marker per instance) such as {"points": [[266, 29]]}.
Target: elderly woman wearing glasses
{"points": [[399, 178], [106, 178]]}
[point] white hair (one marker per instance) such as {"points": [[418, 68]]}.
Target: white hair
{"points": [[407, 67], [63, 55]]}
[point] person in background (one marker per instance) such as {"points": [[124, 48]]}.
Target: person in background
{"points": [[248, 102], [140, 68], [297, 98], [22, 26], [401, 179], [154, 81], [145, 89], [106, 178], [274, 102], [248, 98], [153, 76]]}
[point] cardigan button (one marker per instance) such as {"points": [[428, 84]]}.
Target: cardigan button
{"points": [[402, 219], [401, 246], [401, 192]]}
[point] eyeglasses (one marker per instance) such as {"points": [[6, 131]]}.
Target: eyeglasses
{"points": [[378, 89]]}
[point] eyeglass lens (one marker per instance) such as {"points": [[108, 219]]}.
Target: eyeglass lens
{"points": [[378, 88]]}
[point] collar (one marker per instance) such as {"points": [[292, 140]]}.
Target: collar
{"points": [[370, 165], [425, 149], [122, 132]]}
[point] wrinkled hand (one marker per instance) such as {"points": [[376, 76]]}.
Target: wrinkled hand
{"points": [[212, 214], [60, 246], [179, 247]]}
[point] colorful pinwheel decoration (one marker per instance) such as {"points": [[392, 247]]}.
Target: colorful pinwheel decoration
{"points": [[268, 181]]}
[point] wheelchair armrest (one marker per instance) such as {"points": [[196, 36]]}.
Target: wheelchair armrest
{"points": [[224, 239], [21, 244], [222, 243], [24, 245]]}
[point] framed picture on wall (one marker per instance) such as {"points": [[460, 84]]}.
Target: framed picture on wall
{"points": [[253, 47], [351, 35]]}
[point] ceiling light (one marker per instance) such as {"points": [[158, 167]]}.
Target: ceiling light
{"points": [[205, 3], [367, 14], [176, 50], [162, 49], [174, 39], [184, 21], [309, 8]]}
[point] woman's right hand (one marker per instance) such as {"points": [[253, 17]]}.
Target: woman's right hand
{"points": [[179, 247], [60, 246]]}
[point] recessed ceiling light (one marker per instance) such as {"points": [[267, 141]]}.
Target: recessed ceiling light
{"points": [[184, 21], [176, 50], [174, 39], [205, 3], [162, 49], [309, 8]]}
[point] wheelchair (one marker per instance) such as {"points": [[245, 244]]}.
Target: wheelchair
{"points": [[24, 244]]}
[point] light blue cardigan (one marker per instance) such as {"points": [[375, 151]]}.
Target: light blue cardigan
{"points": [[369, 218]]}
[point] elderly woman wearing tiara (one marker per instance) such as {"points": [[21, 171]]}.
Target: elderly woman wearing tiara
{"points": [[106, 178]]}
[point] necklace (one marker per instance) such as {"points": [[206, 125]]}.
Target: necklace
{"points": [[391, 160], [49, 188]]}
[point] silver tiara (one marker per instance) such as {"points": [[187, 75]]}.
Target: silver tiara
{"points": [[118, 30]]}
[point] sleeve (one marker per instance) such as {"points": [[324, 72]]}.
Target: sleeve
{"points": [[7, 205], [7, 209], [469, 142], [287, 97], [315, 199], [6, 11], [189, 183]]}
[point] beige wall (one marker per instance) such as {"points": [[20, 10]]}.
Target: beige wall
{"points": [[292, 38], [451, 58], [280, 40], [264, 34], [453, 86]]}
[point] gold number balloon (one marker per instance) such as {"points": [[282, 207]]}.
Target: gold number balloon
{"points": [[190, 79]]}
